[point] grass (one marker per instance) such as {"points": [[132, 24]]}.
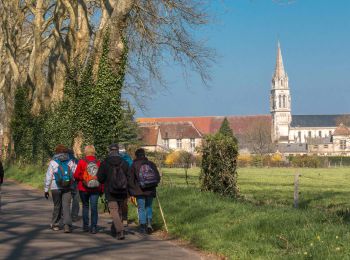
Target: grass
{"points": [[261, 225]]}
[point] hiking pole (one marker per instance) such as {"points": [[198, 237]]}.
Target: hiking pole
{"points": [[161, 212]]}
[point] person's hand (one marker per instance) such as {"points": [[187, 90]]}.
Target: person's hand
{"points": [[47, 195]]}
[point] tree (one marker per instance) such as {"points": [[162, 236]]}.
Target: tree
{"points": [[219, 165], [258, 137], [41, 39], [226, 130], [186, 159]]}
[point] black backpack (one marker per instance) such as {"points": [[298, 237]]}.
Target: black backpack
{"points": [[118, 182]]}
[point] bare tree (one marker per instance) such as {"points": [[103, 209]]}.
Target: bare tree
{"points": [[258, 137], [40, 39]]}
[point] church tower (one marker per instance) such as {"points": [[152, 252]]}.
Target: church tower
{"points": [[280, 102]]}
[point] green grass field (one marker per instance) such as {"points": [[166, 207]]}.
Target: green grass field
{"points": [[262, 224]]}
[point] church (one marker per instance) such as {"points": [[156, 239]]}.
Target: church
{"points": [[323, 135]]}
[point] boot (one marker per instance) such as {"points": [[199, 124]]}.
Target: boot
{"points": [[120, 235], [149, 226], [142, 229], [113, 230], [67, 229]]}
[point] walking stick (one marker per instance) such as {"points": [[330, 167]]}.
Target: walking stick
{"points": [[161, 212]]}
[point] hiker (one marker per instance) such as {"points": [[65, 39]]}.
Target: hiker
{"points": [[75, 192], [143, 180], [124, 155], [1, 179], [59, 179], [89, 187], [113, 173]]}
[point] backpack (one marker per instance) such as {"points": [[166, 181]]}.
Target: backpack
{"points": [[147, 176], [89, 175], [118, 183], [63, 175]]}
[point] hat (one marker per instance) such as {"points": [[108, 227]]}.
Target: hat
{"points": [[60, 148], [113, 147]]}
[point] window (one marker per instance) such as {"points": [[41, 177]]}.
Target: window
{"points": [[299, 136], [279, 101], [284, 101], [320, 133], [316, 146], [330, 133], [166, 143], [192, 143], [179, 143], [342, 144], [309, 134], [325, 146]]}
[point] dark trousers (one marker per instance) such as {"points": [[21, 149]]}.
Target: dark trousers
{"points": [[75, 204], [89, 199], [125, 210], [61, 207]]}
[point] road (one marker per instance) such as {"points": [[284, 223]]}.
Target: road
{"points": [[25, 234]]}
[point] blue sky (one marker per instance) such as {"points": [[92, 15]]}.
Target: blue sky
{"points": [[315, 41]]}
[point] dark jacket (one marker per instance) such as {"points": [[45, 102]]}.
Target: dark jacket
{"points": [[106, 170], [134, 186], [1, 173]]}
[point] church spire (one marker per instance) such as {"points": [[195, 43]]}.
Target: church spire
{"points": [[279, 70]]}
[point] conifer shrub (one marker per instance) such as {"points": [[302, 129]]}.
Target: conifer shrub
{"points": [[219, 165]]}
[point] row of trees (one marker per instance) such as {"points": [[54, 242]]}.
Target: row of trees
{"points": [[41, 41]]}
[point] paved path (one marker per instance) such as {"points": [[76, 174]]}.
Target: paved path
{"points": [[24, 234]]}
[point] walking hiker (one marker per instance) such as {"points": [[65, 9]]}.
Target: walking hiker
{"points": [[1, 179], [143, 180], [113, 173], [128, 159], [89, 187], [75, 192], [59, 179]]}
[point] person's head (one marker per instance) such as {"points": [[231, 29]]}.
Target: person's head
{"points": [[60, 148], [140, 153], [113, 147], [89, 150]]}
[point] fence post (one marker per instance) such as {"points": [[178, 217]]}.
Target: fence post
{"points": [[296, 190]]}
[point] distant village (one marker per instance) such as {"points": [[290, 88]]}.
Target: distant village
{"points": [[281, 132]]}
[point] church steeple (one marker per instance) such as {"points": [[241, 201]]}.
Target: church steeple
{"points": [[279, 70], [280, 101]]}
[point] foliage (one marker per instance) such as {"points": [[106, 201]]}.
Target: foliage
{"points": [[244, 160], [305, 161], [172, 158], [226, 130], [219, 165], [21, 125], [91, 107]]}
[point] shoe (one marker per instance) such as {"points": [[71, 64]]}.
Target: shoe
{"points": [[113, 231], [149, 226], [55, 228], [142, 229], [93, 230], [67, 229], [120, 235], [86, 229]]}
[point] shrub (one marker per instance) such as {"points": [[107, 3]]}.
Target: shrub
{"points": [[244, 160], [219, 164], [172, 158]]}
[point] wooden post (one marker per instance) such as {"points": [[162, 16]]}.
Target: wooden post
{"points": [[296, 190], [161, 212]]}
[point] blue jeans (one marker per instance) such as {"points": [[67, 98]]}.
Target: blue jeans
{"points": [[89, 199], [144, 206]]}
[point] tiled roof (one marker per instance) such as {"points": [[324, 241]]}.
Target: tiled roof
{"points": [[342, 130], [179, 130], [149, 135], [315, 120], [211, 124]]}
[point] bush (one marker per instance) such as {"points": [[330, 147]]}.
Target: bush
{"points": [[172, 158], [244, 160], [219, 164], [306, 161]]}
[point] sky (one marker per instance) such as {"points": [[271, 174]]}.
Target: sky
{"points": [[315, 42]]}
